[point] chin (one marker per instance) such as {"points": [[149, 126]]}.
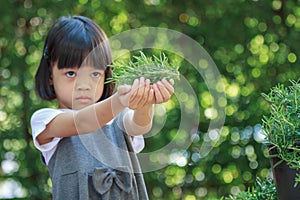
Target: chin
{"points": [[81, 105]]}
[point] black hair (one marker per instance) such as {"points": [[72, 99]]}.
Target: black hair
{"points": [[70, 42]]}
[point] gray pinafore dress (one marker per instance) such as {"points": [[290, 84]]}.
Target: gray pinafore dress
{"points": [[98, 165]]}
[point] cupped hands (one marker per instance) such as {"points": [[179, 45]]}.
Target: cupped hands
{"points": [[143, 94]]}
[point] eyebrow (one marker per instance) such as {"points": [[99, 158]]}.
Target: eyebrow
{"points": [[68, 69]]}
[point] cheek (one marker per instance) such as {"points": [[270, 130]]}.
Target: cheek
{"points": [[99, 90]]}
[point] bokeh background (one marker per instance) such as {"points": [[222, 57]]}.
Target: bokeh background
{"points": [[254, 43]]}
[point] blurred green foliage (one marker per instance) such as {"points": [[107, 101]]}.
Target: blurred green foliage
{"points": [[262, 189], [253, 43]]}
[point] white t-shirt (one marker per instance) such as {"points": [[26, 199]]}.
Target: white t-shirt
{"points": [[42, 117]]}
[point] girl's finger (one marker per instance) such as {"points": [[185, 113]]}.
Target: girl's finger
{"points": [[166, 95], [134, 88], [124, 92], [168, 85], [158, 95], [145, 97], [172, 81], [151, 99], [138, 93], [124, 89]]}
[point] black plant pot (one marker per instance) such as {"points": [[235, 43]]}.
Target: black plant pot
{"points": [[284, 178]]}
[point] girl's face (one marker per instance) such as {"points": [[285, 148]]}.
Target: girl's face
{"points": [[76, 88]]}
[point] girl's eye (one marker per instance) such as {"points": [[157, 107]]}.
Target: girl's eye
{"points": [[96, 74], [70, 74]]}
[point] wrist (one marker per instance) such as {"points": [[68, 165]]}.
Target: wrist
{"points": [[143, 117], [146, 110]]}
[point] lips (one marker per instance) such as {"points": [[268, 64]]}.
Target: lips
{"points": [[83, 99]]}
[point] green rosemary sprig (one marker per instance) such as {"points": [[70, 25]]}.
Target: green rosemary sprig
{"points": [[153, 68]]}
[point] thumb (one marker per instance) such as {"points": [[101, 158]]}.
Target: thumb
{"points": [[124, 89]]}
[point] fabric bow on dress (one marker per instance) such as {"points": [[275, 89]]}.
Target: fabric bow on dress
{"points": [[104, 178]]}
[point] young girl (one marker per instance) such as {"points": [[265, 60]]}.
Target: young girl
{"points": [[89, 142]]}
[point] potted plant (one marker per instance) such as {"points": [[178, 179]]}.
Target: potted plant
{"points": [[282, 130]]}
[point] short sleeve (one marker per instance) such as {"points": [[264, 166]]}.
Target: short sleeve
{"points": [[39, 120], [138, 142]]}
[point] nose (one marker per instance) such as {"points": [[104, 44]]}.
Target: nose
{"points": [[82, 83]]}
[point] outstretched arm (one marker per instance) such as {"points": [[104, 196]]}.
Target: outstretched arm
{"points": [[142, 99], [88, 119]]}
